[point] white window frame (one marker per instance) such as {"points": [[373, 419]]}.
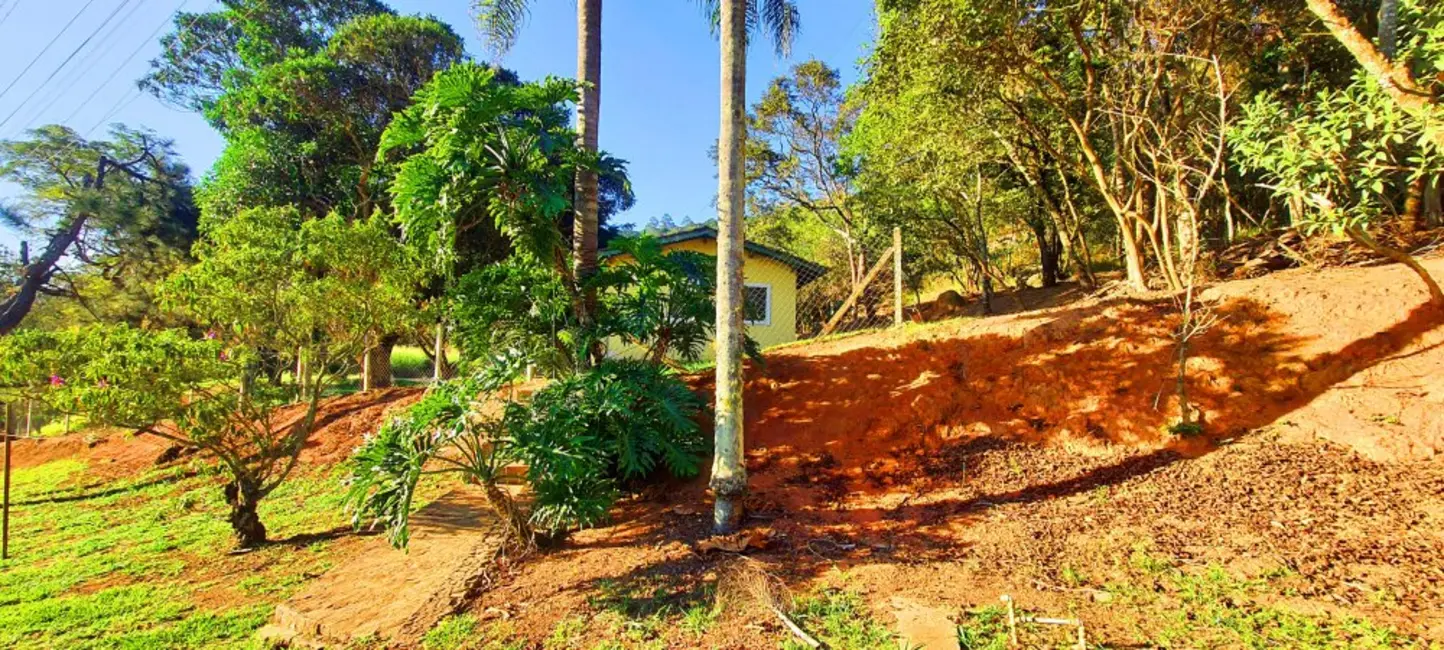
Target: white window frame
{"points": [[758, 285]]}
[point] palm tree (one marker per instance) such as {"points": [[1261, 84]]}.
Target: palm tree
{"points": [[731, 19], [499, 22]]}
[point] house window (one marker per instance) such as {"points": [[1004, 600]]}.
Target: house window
{"points": [[757, 304]]}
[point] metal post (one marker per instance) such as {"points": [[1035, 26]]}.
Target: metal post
{"points": [[897, 283], [5, 514]]}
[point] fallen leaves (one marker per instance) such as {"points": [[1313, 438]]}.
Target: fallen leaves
{"points": [[739, 542]]}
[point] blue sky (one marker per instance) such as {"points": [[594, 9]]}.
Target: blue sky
{"points": [[660, 84]]}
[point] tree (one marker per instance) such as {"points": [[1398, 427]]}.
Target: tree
{"points": [[1396, 78], [107, 206], [500, 22], [733, 17], [1341, 155], [794, 157], [309, 89], [284, 305], [210, 53]]}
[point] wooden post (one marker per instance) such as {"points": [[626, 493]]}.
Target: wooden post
{"points": [[438, 374], [5, 515], [28, 405], [856, 293], [897, 283]]}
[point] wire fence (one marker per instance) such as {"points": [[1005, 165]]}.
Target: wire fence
{"points": [[856, 292]]}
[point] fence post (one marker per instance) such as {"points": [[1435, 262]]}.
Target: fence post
{"points": [[897, 283], [5, 524], [438, 373], [28, 403]]}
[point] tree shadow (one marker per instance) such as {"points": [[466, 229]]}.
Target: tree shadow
{"points": [[81, 493], [302, 540], [875, 446]]}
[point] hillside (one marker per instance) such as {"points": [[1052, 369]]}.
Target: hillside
{"points": [[1029, 455]]}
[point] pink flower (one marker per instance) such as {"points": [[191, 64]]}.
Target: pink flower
{"points": [[102, 383], [211, 335], [56, 381], [225, 356]]}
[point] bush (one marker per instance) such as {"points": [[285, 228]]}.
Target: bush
{"points": [[582, 439]]}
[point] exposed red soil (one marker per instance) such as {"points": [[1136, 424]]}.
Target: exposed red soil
{"points": [[341, 423], [963, 460]]}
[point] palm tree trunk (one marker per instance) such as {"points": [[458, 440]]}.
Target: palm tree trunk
{"points": [[584, 225], [729, 476]]}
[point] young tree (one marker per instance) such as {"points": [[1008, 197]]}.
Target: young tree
{"points": [[284, 305], [99, 204], [794, 157], [733, 17]]}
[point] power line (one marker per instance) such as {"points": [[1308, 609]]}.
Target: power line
{"points": [[66, 62], [47, 47], [133, 53], [11, 10], [77, 71]]}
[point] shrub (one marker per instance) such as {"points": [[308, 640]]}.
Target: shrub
{"points": [[582, 440]]}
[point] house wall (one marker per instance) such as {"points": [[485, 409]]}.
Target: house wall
{"points": [[755, 270], [762, 270]]}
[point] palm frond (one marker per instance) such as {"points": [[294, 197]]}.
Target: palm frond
{"points": [[780, 21], [500, 22]]}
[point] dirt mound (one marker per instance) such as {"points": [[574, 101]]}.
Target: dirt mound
{"points": [[341, 423]]}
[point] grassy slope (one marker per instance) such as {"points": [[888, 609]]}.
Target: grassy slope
{"points": [[144, 562]]}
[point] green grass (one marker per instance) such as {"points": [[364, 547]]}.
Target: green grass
{"points": [[464, 632], [840, 619], [1212, 608], [125, 564]]}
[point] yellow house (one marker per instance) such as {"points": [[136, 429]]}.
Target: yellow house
{"points": [[771, 277]]}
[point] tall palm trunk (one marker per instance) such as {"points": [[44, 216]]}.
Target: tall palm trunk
{"points": [[584, 225], [729, 476]]}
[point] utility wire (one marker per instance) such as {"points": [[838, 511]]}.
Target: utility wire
{"points": [[11, 10], [114, 73], [66, 62], [97, 53], [47, 47]]}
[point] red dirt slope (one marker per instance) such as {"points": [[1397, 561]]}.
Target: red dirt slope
{"points": [[341, 422], [950, 463]]}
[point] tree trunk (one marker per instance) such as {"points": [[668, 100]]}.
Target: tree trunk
{"points": [[376, 365], [1436, 296], [585, 222], [1132, 256], [1414, 205], [1389, 28], [729, 475], [516, 521], [246, 525], [35, 274]]}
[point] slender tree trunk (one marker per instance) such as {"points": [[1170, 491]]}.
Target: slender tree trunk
{"points": [[585, 222], [1436, 295], [729, 475], [242, 497]]}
